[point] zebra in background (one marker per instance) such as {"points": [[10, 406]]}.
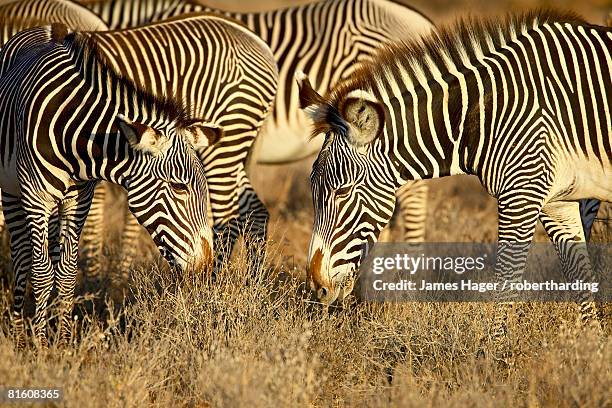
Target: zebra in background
{"points": [[524, 105], [122, 14], [226, 74], [324, 39], [21, 14], [69, 120]]}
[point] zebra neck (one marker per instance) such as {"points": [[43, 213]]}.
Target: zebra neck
{"points": [[426, 137], [111, 158], [448, 121], [107, 152]]}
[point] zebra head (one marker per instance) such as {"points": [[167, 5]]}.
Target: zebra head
{"points": [[167, 190], [353, 186]]}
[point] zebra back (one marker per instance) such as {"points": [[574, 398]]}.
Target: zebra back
{"points": [[326, 40], [214, 65], [21, 14], [121, 14]]}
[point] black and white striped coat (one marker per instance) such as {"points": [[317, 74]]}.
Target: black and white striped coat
{"points": [[69, 120], [524, 105]]}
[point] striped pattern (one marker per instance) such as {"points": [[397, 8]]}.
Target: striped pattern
{"points": [[122, 14], [68, 120], [323, 39], [523, 105], [21, 14], [227, 75]]}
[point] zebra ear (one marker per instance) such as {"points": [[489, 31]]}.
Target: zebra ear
{"points": [[310, 100], [203, 134], [364, 115], [142, 137]]}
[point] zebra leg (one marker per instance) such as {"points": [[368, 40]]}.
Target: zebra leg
{"points": [[411, 209], [588, 214], [412, 199], [72, 214], [38, 210], [129, 236], [225, 233], [225, 213], [54, 236], [517, 221], [253, 222], [562, 222], [93, 234], [21, 256]]}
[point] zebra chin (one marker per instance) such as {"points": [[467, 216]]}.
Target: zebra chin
{"points": [[330, 285], [200, 259]]}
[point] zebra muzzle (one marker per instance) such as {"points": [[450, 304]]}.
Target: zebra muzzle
{"points": [[322, 286]]}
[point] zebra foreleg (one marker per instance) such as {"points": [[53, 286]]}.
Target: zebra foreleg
{"points": [[21, 256], [72, 214], [38, 209], [93, 235], [129, 238], [225, 212], [562, 222], [411, 212], [253, 222], [225, 235], [412, 199], [517, 221]]}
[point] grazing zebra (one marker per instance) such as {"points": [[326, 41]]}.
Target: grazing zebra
{"points": [[324, 39], [225, 73], [69, 120], [523, 104]]}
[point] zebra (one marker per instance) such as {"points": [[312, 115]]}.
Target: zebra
{"points": [[301, 37], [522, 104], [69, 120], [20, 14], [225, 73]]}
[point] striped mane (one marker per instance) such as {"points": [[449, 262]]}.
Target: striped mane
{"points": [[86, 51], [456, 43]]}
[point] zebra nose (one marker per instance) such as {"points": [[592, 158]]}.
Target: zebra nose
{"points": [[321, 285], [205, 260]]}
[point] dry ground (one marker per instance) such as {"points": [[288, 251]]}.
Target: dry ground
{"points": [[162, 339]]}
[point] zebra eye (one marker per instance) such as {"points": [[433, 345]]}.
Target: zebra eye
{"points": [[343, 191], [179, 188]]}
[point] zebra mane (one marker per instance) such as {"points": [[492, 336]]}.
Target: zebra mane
{"points": [[456, 44], [87, 51]]}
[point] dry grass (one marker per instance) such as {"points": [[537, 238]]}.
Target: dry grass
{"points": [[182, 339]]}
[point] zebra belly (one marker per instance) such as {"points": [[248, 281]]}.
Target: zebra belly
{"points": [[285, 145], [8, 177], [586, 179]]}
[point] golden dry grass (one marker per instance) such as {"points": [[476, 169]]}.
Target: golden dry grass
{"points": [[183, 341]]}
